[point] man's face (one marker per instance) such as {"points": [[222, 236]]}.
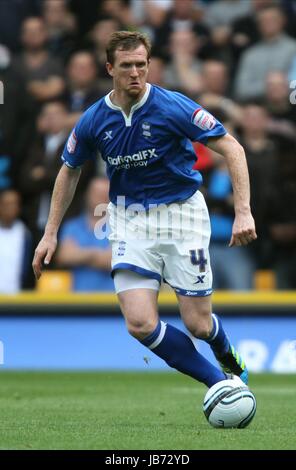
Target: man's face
{"points": [[52, 118], [34, 34], [82, 70], [254, 119], [277, 87], [129, 71], [9, 207], [271, 23]]}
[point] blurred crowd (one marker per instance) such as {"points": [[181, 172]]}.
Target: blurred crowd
{"points": [[237, 58]]}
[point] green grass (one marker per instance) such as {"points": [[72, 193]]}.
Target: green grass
{"points": [[44, 410]]}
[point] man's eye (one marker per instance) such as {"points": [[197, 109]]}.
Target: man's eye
{"points": [[129, 66]]}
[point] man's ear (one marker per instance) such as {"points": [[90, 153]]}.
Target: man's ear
{"points": [[109, 68]]}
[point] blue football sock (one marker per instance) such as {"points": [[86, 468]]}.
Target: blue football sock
{"points": [[218, 339], [179, 352]]}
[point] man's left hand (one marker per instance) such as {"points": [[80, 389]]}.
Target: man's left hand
{"points": [[243, 230]]}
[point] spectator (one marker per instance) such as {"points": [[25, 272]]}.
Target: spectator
{"points": [[14, 121], [119, 10], [282, 220], [88, 257], [225, 262], [86, 15], [8, 114], [38, 76], [15, 244], [216, 88], [218, 47], [82, 88], [224, 12], [61, 27], [218, 17], [262, 158], [245, 29], [12, 14], [277, 102], [42, 165], [156, 73], [99, 36], [183, 73], [215, 76], [150, 14], [182, 16], [41, 74], [274, 52]]}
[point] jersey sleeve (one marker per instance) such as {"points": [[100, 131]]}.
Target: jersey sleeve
{"points": [[188, 119], [80, 145]]}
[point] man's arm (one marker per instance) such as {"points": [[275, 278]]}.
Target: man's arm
{"points": [[71, 254], [63, 192], [243, 230]]}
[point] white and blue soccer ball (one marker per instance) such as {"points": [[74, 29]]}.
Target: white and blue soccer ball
{"points": [[229, 404]]}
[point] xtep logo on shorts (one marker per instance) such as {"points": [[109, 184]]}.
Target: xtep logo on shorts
{"points": [[140, 158]]}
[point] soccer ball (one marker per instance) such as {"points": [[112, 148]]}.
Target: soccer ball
{"points": [[229, 404]]}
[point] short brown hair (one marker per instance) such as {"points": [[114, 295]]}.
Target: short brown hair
{"points": [[125, 41]]}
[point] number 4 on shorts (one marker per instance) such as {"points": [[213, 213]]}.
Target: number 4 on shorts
{"points": [[197, 257]]}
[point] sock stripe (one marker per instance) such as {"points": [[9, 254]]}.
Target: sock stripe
{"points": [[179, 352], [160, 336], [152, 337], [215, 327]]}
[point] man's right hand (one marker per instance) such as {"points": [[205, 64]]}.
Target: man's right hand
{"points": [[43, 253]]}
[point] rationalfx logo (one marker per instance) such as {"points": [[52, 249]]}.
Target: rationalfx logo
{"points": [[1, 353], [1, 93]]}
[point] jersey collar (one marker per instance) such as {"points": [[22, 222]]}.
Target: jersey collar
{"points": [[139, 104]]}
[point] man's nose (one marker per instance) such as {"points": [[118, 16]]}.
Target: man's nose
{"points": [[134, 71]]}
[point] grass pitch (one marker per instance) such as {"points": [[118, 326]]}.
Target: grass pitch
{"points": [[152, 411]]}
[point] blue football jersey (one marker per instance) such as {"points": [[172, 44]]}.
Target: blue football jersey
{"points": [[149, 155]]}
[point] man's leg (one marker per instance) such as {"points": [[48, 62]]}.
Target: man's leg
{"points": [[139, 307], [198, 318]]}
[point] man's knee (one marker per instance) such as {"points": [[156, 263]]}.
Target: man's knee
{"points": [[201, 325], [201, 330], [141, 329]]}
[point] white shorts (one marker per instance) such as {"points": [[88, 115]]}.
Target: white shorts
{"points": [[125, 279], [167, 242]]}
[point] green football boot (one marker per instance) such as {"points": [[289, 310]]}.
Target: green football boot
{"points": [[232, 362]]}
